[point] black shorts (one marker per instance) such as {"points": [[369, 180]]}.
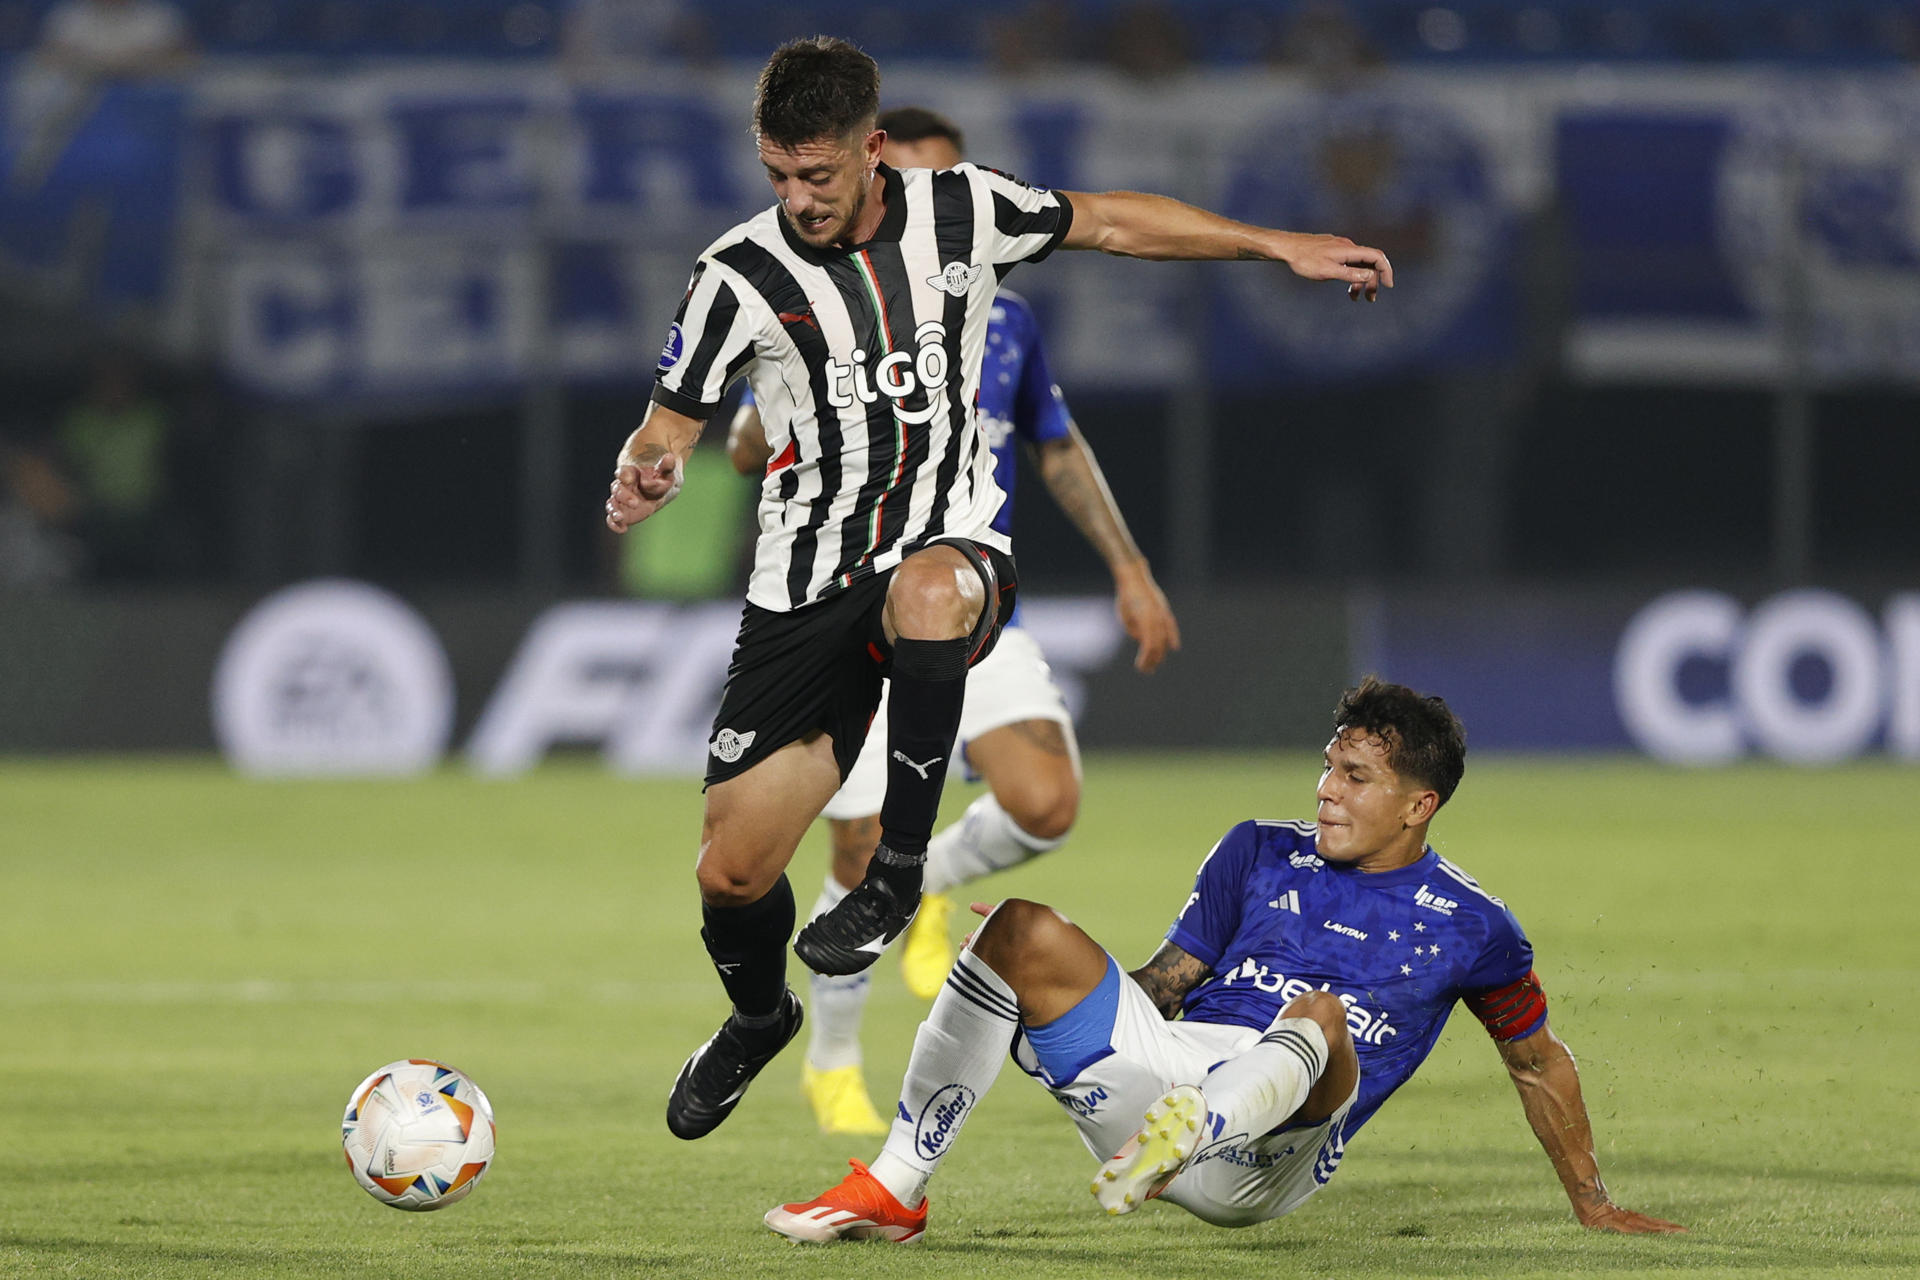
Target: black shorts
{"points": [[819, 668]]}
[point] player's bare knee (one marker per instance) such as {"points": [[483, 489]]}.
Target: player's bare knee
{"points": [[1017, 931], [725, 883], [934, 595], [1043, 808], [1325, 1009]]}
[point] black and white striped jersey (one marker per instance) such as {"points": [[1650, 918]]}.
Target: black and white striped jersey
{"points": [[865, 362]]}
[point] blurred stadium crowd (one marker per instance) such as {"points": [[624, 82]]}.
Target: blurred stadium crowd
{"points": [[267, 266], [1137, 34]]}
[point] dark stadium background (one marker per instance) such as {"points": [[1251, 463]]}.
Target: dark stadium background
{"points": [[1679, 346]]}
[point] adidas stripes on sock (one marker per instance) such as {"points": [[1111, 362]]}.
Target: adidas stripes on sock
{"points": [[1255, 1092], [956, 1057]]}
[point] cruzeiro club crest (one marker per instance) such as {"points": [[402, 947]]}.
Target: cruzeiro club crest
{"points": [[730, 746], [956, 278]]}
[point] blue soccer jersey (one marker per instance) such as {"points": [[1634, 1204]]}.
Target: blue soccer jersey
{"points": [[1274, 921], [1018, 398]]}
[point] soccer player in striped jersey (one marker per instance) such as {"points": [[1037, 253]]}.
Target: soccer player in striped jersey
{"points": [[1015, 730], [857, 307], [1310, 971]]}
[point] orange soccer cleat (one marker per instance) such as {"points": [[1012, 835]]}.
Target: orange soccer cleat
{"points": [[859, 1208]]}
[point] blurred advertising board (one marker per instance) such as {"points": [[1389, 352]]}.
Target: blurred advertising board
{"points": [[342, 677], [1693, 677]]}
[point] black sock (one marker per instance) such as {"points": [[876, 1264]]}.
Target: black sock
{"points": [[923, 715], [749, 949], [904, 874]]}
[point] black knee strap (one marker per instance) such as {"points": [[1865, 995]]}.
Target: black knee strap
{"points": [[989, 579]]}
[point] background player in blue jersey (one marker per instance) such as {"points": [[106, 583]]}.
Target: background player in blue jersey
{"points": [[1311, 970], [1015, 730]]}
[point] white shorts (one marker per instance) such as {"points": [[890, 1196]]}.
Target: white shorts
{"points": [[1012, 684], [1113, 1056]]}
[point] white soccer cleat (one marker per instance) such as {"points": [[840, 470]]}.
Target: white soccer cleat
{"points": [[1169, 1134]]}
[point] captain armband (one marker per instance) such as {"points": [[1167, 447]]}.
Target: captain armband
{"points": [[1512, 1012]]}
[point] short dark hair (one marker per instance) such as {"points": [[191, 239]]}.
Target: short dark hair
{"points": [[1425, 741], [819, 87], [917, 124]]}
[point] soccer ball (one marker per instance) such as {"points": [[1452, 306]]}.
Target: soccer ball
{"points": [[418, 1134]]}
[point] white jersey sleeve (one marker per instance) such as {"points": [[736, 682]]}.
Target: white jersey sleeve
{"points": [[1027, 223], [712, 339]]}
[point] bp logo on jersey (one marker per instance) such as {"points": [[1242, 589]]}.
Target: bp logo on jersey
{"points": [[900, 376]]}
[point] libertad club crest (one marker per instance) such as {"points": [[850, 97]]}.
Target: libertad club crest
{"points": [[956, 278], [730, 746]]}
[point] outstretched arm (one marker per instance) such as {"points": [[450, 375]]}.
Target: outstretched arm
{"points": [[1133, 224], [1168, 976], [649, 469], [1074, 479], [747, 446], [1543, 1070]]}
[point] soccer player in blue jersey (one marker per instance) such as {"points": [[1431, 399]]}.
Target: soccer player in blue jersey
{"points": [[1306, 978], [1015, 730]]}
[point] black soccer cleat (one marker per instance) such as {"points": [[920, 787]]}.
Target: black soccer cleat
{"points": [[860, 926], [716, 1077]]}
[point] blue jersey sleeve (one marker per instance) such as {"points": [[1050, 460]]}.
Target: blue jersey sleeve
{"points": [[1039, 410], [1211, 917], [1506, 958]]}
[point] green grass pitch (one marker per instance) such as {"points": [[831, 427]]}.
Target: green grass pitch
{"points": [[195, 970]]}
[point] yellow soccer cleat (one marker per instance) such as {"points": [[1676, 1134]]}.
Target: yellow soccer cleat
{"points": [[1152, 1158], [840, 1100], [927, 955]]}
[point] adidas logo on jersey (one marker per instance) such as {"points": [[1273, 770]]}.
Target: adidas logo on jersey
{"points": [[896, 376], [1432, 901], [1288, 901]]}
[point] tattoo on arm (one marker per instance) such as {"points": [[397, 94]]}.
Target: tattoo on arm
{"points": [[1043, 735], [1168, 976], [1074, 479]]}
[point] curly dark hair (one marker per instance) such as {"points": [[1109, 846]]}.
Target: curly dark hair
{"points": [[819, 87], [917, 124], [1425, 741]]}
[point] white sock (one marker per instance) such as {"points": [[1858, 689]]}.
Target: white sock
{"points": [[985, 839], [1255, 1092], [838, 1004], [956, 1056]]}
